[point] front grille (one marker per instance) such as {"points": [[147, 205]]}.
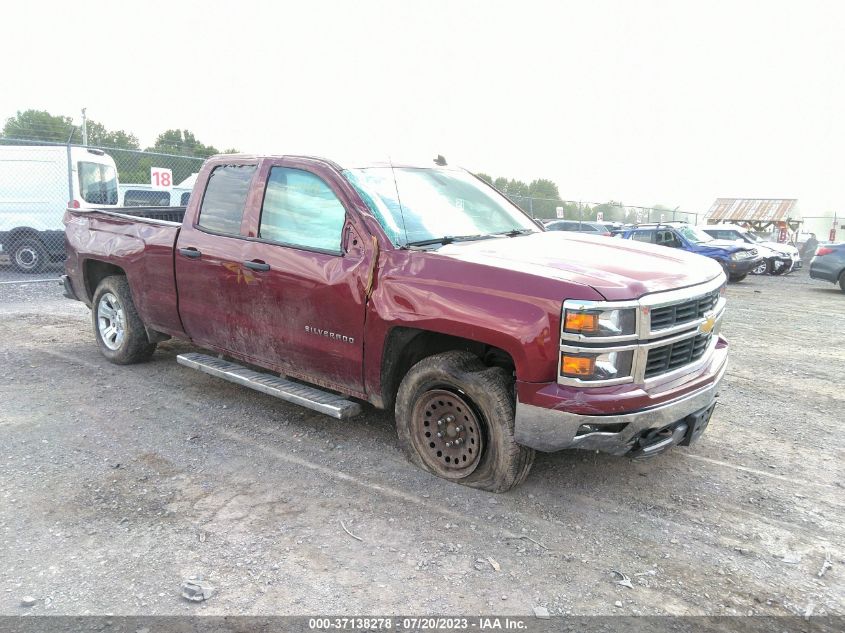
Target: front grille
{"points": [[665, 358], [684, 312]]}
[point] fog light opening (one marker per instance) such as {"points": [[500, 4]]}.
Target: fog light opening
{"points": [[586, 429]]}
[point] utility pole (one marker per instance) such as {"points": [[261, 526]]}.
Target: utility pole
{"points": [[84, 128]]}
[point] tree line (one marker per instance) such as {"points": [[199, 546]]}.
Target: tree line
{"points": [[541, 198], [186, 151]]}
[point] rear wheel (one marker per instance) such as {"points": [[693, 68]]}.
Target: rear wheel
{"points": [[736, 278], [118, 329], [28, 255], [842, 280], [455, 419]]}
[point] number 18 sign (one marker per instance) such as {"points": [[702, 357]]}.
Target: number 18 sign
{"points": [[161, 177]]}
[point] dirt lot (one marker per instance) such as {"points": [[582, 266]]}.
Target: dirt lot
{"points": [[119, 482]]}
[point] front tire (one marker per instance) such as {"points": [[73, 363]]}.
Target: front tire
{"points": [[28, 255], [763, 268], [842, 281], [455, 419], [118, 329]]}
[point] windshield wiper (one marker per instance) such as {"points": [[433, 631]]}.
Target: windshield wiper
{"points": [[515, 232], [446, 239]]}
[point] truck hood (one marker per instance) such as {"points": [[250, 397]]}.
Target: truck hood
{"points": [[618, 269]]}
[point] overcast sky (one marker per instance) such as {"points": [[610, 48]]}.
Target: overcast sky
{"points": [[646, 102]]}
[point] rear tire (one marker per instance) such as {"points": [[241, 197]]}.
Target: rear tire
{"points": [[842, 281], [28, 255], [737, 278], [455, 394], [118, 329]]}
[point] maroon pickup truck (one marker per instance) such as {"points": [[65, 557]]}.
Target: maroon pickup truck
{"points": [[416, 288]]}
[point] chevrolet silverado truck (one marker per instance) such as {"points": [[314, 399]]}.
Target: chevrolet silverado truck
{"points": [[417, 289]]}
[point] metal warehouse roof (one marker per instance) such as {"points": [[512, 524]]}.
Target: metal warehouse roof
{"points": [[752, 210]]}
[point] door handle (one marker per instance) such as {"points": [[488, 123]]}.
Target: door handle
{"points": [[190, 252], [257, 264]]}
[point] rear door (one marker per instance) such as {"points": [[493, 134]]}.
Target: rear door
{"points": [[311, 266], [209, 257]]}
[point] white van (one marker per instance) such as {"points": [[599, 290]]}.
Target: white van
{"points": [[37, 184], [142, 195]]}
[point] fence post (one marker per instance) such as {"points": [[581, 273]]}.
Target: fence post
{"points": [[69, 175]]}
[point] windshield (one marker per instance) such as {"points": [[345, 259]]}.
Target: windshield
{"points": [[418, 204], [694, 234], [97, 183]]}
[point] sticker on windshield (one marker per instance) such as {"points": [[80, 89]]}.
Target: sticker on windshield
{"points": [[459, 202]]}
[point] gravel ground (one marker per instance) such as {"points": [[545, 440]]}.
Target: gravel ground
{"points": [[116, 483]]}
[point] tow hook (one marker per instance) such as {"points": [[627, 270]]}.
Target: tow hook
{"points": [[660, 440]]}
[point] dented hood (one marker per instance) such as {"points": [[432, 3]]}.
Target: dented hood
{"points": [[618, 269]]}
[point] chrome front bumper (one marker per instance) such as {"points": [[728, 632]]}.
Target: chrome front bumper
{"points": [[552, 429]]}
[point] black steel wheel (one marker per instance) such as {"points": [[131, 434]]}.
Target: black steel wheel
{"points": [[455, 419], [446, 433]]}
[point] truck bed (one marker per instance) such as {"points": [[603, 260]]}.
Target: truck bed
{"points": [[140, 242], [164, 214]]}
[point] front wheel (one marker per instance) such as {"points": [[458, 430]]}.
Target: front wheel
{"points": [[28, 255], [763, 268], [455, 419], [842, 281], [118, 329]]}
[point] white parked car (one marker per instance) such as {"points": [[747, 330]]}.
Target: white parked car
{"points": [[778, 258]]}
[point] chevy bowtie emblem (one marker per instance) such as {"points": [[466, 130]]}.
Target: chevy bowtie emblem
{"points": [[708, 325]]}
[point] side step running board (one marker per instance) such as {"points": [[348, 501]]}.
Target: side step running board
{"points": [[311, 397]]}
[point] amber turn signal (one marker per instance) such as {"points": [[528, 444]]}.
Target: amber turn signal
{"points": [[581, 322], [577, 366]]}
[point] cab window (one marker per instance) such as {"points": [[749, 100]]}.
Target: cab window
{"points": [[225, 196], [301, 210], [643, 236]]}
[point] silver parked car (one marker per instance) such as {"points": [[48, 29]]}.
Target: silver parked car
{"points": [[778, 259]]}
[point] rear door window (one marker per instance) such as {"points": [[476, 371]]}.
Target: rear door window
{"points": [[225, 197], [300, 209]]}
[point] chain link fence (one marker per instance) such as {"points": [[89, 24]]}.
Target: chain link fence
{"points": [[608, 212], [38, 180]]}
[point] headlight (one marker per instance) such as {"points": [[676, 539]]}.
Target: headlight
{"points": [[740, 255], [598, 366], [589, 322]]}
